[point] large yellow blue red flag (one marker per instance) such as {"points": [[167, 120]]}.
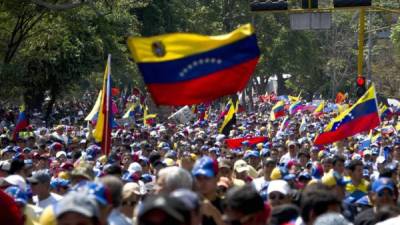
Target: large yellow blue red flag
{"points": [[362, 116], [188, 69], [102, 132]]}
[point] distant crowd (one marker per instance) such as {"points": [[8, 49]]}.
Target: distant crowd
{"points": [[186, 174]]}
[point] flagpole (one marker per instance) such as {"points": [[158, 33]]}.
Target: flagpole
{"points": [[106, 130]]}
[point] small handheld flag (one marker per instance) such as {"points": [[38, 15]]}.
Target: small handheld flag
{"points": [[230, 118], [187, 69], [22, 122], [278, 110]]}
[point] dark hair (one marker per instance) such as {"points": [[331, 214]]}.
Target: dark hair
{"points": [[16, 165], [386, 172], [386, 212], [317, 200], [303, 153], [244, 199], [283, 214], [338, 158], [354, 163]]}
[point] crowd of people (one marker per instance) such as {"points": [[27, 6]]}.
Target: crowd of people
{"points": [[185, 174]]}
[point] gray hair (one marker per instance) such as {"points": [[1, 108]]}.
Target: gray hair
{"points": [[175, 178]]}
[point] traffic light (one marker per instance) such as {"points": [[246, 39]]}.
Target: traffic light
{"points": [[266, 5], [361, 89], [351, 3], [309, 4]]}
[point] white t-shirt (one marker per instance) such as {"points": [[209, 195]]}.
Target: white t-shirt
{"points": [[391, 221], [259, 183], [51, 200]]}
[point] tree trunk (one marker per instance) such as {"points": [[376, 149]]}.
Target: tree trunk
{"points": [[282, 90]]}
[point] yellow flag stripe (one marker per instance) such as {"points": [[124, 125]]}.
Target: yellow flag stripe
{"points": [[180, 45]]}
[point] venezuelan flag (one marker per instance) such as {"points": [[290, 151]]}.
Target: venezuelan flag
{"points": [[148, 119], [362, 116], [320, 109], [296, 106], [187, 69], [278, 110], [22, 122], [102, 132], [95, 110]]}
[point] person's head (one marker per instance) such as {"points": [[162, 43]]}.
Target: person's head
{"points": [[131, 195], [279, 193], [160, 210], [205, 171], [101, 194], [243, 205], [327, 164], [241, 169], [292, 147], [40, 183], [60, 129], [192, 202], [77, 209], [303, 157], [225, 168], [268, 165], [356, 170], [317, 200], [338, 164], [335, 182], [383, 192], [172, 178], [114, 185], [284, 214]]}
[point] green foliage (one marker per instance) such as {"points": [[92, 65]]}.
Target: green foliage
{"points": [[63, 52]]}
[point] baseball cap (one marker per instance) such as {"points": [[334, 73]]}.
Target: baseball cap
{"points": [[225, 164], [40, 176], [19, 195], [205, 166], [383, 183], [170, 205], [97, 190], [5, 166], [249, 154], [16, 180], [240, 166], [79, 203], [83, 171], [131, 188], [280, 186], [60, 153], [135, 167], [190, 199]]}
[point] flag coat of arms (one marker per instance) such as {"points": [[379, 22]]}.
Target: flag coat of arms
{"points": [[362, 116], [187, 69]]}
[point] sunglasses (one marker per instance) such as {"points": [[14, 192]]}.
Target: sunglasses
{"points": [[276, 196], [129, 203]]}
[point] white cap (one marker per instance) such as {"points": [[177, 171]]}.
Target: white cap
{"points": [[16, 180], [280, 186], [60, 153], [134, 167], [240, 166]]}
